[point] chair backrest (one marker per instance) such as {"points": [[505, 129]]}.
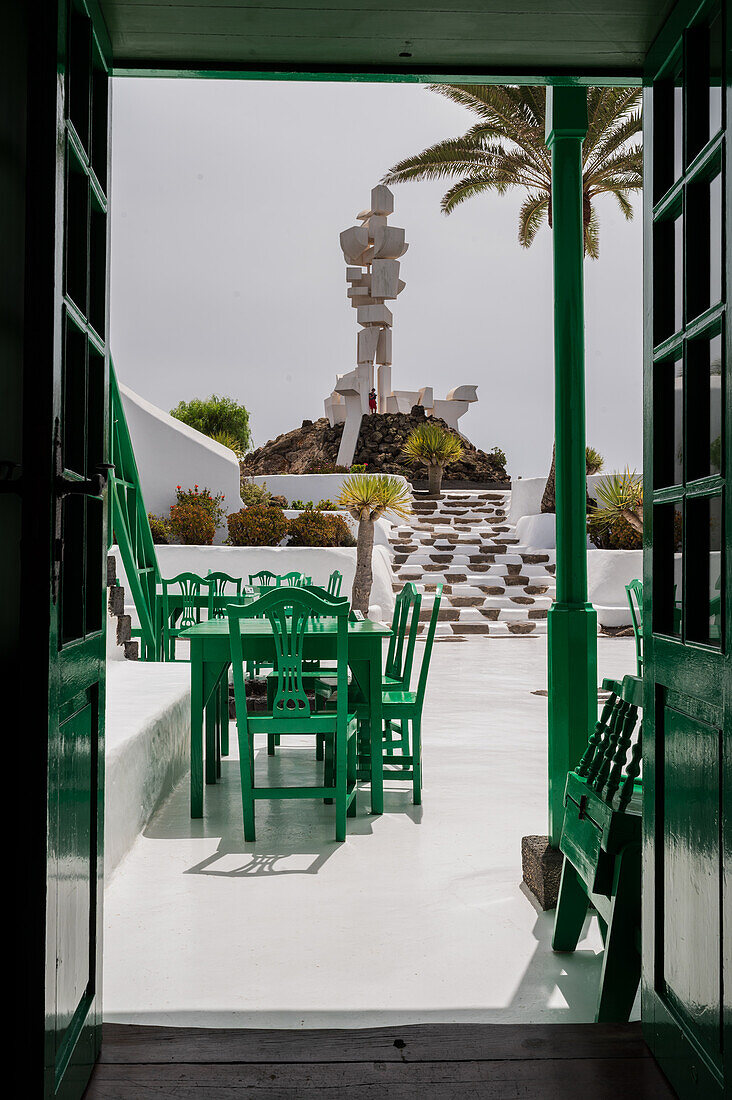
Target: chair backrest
{"points": [[334, 583], [427, 655], [404, 626], [607, 748], [289, 611], [190, 587], [217, 584], [634, 592], [264, 578], [294, 579]]}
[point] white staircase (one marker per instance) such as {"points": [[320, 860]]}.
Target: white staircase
{"points": [[491, 585]]}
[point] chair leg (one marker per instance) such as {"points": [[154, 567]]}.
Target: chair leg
{"points": [[225, 715], [351, 774], [339, 740], [621, 965], [270, 744], [416, 759], [571, 910], [328, 765], [247, 782], [319, 746]]}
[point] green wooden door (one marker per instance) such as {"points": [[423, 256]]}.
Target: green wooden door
{"points": [[688, 696], [78, 576]]}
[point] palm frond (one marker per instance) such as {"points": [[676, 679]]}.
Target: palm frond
{"points": [[592, 236], [533, 211], [368, 496]]}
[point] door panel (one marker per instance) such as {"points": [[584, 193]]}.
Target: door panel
{"points": [[687, 577], [77, 578]]}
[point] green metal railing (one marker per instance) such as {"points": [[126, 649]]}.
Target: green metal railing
{"points": [[128, 525]]}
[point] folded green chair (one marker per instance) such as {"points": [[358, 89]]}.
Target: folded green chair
{"points": [[290, 612]]}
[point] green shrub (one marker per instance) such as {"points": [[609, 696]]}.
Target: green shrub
{"points": [[620, 536], [327, 468], [214, 414], [297, 505], [259, 525], [277, 501], [158, 529], [498, 456], [203, 498], [251, 493], [326, 506], [314, 528], [192, 524], [227, 439], [357, 468]]}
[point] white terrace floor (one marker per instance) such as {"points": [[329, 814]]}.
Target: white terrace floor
{"points": [[418, 917]]}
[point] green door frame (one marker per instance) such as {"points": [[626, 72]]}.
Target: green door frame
{"points": [[572, 634]]}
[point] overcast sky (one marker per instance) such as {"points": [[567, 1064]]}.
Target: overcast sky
{"points": [[227, 201]]}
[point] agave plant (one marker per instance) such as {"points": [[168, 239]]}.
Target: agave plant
{"points": [[368, 497], [228, 439], [435, 446], [621, 497]]}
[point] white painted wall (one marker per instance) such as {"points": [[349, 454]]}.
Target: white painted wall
{"points": [[317, 562], [608, 572], [169, 453]]}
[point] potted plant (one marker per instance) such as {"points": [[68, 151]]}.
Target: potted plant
{"points": [[436, 446], [368, 497]]}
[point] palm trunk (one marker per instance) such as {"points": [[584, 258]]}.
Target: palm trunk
{"points": [[635, 521], [361, 592], [434, 474], [549, 500]]}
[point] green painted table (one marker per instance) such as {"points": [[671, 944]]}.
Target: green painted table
{"points": [[210, 660]]}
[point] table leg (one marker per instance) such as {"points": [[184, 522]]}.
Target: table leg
{"points": [[375, 713], [196, 730]]}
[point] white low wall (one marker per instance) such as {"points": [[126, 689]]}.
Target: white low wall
{"points": [[169, 453], [148, 725], [608, 572], [306, 487], [317, 562], [526, 494]]}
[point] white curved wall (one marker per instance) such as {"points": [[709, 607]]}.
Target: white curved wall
{"points": [[169, 453]]}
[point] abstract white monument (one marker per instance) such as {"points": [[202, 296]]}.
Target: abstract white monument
{"points": [[372, 251]]}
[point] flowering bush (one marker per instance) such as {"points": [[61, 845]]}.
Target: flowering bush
{"points": [[277, 501], [192, 524], [195, 516], [159, 529], [260, 525], [314, 528]]}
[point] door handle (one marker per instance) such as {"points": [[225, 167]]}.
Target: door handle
{"points": [[91, 486]]}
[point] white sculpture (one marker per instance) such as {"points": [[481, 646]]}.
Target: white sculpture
{"points": [[372, 251]]}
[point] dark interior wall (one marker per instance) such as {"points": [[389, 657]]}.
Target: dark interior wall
{"points": [[13, 79]]}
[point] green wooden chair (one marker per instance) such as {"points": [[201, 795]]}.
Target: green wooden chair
{"points": [[218, 584], [263, 579], [293, 580], [634, 592], [601, 842], [189, 586], [404, 627], [289, 611], [402, 710], [335, 580]]}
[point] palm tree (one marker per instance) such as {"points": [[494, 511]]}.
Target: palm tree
{"points": [[621, 497], [436, 447], [505, 148], [368, 497]]}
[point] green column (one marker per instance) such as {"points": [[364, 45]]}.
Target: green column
{"points": [[572, 625]]}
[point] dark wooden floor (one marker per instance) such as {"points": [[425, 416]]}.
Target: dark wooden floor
{"points": [[419, 1062]]}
